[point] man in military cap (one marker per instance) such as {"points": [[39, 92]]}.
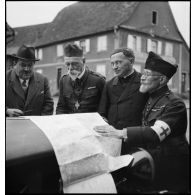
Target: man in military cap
{"points": [[27, 92], [163, 130], [80, 88]]}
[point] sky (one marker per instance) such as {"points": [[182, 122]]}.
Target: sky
{"points": [[22, 13]]}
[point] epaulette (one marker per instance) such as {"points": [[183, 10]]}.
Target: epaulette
{"points": [[97, 74]]}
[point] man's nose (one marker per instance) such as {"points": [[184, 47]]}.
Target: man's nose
{"points": [[114, 66], [143, 77], [26, 68]]}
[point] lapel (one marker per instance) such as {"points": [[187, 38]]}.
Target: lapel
{"points": [[15, 85], [131, 88], [33, 87]]}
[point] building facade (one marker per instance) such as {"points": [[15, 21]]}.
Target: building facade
{"points": [[101, 27]]}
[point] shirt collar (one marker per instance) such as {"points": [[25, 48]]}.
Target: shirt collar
{"points": [[80, 76], [129, 74], [21, 81]]}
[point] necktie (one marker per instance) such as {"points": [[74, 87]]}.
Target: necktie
{"points": [[24, 85]]}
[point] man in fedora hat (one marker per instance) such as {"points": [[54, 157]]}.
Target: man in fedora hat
{"points": [[80, 88], [163, 130], [27, 92]]}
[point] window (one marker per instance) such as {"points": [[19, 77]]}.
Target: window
{"points": [[77, 43], [102, 43], [168, 49], [39, 54], [153, 45], [101, 68], [60, 51], [134, 42], [85, 44], [39, 71], [154, 17]]}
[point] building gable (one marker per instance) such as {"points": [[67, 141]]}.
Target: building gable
{"points": [[164, 25]]}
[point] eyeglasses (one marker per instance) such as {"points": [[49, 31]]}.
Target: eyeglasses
{"points": [[147, 74]]}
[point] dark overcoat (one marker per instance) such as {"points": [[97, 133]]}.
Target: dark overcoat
{"points": [[38, 100], [123, 107], [168, 146]]}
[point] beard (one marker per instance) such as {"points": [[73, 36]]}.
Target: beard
{"points": [[144, 88], [74, 74]]}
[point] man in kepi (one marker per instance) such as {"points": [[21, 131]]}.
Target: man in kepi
{"points": [[80, 88], [27, 92], [163, 130]]}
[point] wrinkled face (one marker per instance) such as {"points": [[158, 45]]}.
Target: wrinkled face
{"points": [[75, 66], [24, 69], [150, 81], [121, 65]]}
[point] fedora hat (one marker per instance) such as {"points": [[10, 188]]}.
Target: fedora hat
{"points": [[26, 53]]}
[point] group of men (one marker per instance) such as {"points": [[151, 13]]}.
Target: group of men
{"points": [[139, 108]]}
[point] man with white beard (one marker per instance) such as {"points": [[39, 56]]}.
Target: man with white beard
{"points": [[80, 89], [163, 130]]}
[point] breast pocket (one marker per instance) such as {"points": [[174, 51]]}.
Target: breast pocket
{"points": [[90, 93], [155, 113]]}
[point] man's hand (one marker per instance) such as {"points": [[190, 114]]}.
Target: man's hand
{"points": [[109, 131], [12, 112]]}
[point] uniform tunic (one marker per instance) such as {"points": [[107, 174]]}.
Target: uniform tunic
{"points": [[162, 133], [82, 95]]}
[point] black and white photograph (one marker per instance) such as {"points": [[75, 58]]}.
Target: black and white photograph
{"points": [[97, 97]]}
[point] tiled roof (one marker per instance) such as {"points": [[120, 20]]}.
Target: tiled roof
{"points": [[85, 18], [27, 35]]}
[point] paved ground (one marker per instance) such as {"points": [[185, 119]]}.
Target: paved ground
{"points": [[186, 102]]}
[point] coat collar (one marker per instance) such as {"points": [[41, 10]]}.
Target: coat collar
{"points": [[32, 87], [132, 86]]}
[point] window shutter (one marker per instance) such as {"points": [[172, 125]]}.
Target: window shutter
{"points": [[159, 49], [149, 44], [40, 54], [130, 41], [138, 44], [87, 45], [102, 43], [60, 51]]}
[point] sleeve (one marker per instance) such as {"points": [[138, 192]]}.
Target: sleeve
{"points": [[48, 101], [104, 102], [61, 106], [173, 121], [175, 116], [141, 137]]}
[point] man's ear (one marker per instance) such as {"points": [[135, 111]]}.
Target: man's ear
{"points": [[163, 79]]}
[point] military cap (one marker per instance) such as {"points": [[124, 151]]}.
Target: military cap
{"points": [[73, 50], [155, 63]]}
